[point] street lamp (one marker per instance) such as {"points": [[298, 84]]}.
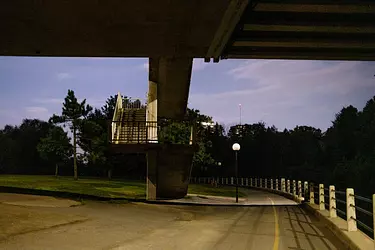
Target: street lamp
{"points": [[236, 147]]}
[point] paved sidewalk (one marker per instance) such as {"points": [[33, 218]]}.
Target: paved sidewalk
{"points": [[254, 198]]}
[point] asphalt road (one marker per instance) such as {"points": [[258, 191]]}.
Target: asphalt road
{"points": [[99, 225]]}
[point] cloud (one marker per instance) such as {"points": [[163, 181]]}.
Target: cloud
{"points": [[49, 100], [63, 76], [199, 64], [287, 93], [145, 66], [95, 102], [36, 110]]}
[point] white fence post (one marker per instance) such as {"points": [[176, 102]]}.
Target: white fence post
{"points": [[283, 185], [350, 210], [321, 197], [271, 183], [288, 186], [294, 188], [312, 198], [332, 202], [277, 184], [299, 189]]}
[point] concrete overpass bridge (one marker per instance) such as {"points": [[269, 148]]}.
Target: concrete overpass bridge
{"points": [[172, 33]]}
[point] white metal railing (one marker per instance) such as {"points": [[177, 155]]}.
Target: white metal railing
{"points": [[116, 117], [325, 198]]}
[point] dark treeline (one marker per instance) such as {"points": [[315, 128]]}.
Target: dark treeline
{"points": [[344, 155]]}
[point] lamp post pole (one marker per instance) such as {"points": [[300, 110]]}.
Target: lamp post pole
{"points": [[236, 170], [236, 147]]}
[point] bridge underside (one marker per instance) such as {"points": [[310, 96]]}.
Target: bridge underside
{"points": [[291, 29], [112, 28], [218, 29]]}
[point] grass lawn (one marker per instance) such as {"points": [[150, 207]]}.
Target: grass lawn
{"points": [[90, 186], [101, 187]]}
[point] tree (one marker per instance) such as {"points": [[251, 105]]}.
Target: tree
{"points": [[56, 147], [94, 140], [72, 114], [16, 141]]}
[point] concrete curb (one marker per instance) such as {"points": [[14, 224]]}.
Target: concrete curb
{"points": [[63, 194], [354, 240], [164, 202]]}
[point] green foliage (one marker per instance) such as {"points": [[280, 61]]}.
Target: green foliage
{"points": [[55, 147], [72, 114], [18, 147]]}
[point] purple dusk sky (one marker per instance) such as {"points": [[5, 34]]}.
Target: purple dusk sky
{"points": [[280, 93]]}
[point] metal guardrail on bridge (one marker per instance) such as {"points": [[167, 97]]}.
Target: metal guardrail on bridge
{"points": [[142, 132], [358, 211]]}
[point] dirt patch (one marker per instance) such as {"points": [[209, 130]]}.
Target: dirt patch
{"points": [[35, 200]]}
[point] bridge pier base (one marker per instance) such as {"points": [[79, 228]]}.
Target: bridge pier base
{"points": [[168, 171]]}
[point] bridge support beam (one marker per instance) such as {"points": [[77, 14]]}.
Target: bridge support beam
{"points": [[168, 166]]}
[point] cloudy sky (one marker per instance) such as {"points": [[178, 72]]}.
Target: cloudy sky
{"points": [[283, 93]]}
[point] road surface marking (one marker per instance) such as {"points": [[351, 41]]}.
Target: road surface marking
{"points": [[276, 241]]}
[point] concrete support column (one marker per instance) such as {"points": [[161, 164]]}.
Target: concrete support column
{"points": [[151, 175], [152, 113], [260, 182], [247, 182], [172, 76], [350, 210], [265, 183], [277, 184], [288, 186], [242, 181], [251, 182], [321, 197], [332, 202], [231, 180], [226, 180], [169, 83], [299, 189], [294, 188], [271, 183]]}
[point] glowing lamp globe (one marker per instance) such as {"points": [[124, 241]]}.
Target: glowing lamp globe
{"points": [[236, 147]]}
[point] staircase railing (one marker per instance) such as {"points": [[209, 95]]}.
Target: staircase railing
{"points": [[142, 132]]}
